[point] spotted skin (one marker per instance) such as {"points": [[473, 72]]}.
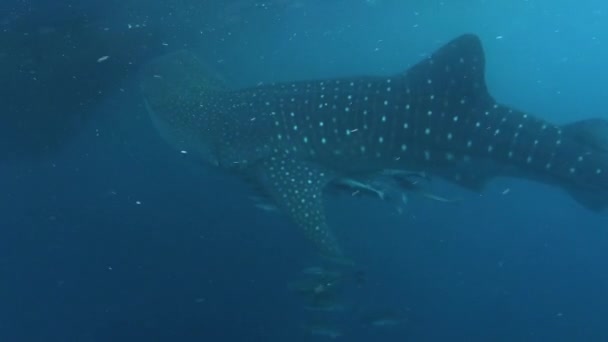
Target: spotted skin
{"points": [[437, 117], [297, 187]]}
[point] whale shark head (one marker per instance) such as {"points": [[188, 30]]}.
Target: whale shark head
{"points": [[184, 104]]}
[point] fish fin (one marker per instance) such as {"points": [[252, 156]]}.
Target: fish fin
{"points": [[407, 182], [297, 189], [437, 198], [590, 200], [462, 62], [472, 179], [592, 133], [263, 204]]}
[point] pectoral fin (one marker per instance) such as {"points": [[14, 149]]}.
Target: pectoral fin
{"points": [[297, 189]]}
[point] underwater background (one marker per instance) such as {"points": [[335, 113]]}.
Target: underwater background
{"points": [[108, 234]]}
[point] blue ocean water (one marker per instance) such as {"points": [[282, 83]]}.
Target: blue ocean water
{"points": [[107, 234]]}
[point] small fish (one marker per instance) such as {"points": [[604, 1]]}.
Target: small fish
{"points": [[329, 306], [386, 318], [321, 272], [323, 329]]}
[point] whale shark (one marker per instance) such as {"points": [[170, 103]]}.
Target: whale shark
{"points": [[295, 140]]}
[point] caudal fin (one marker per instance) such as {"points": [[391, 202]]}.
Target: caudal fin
{"points": [[592, 133], [590, 136]]}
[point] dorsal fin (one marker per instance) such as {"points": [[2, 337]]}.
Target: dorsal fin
{"points": [[457, 69]]}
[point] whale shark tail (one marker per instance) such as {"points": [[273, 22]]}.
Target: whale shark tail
{"points": [[591, 135]]}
